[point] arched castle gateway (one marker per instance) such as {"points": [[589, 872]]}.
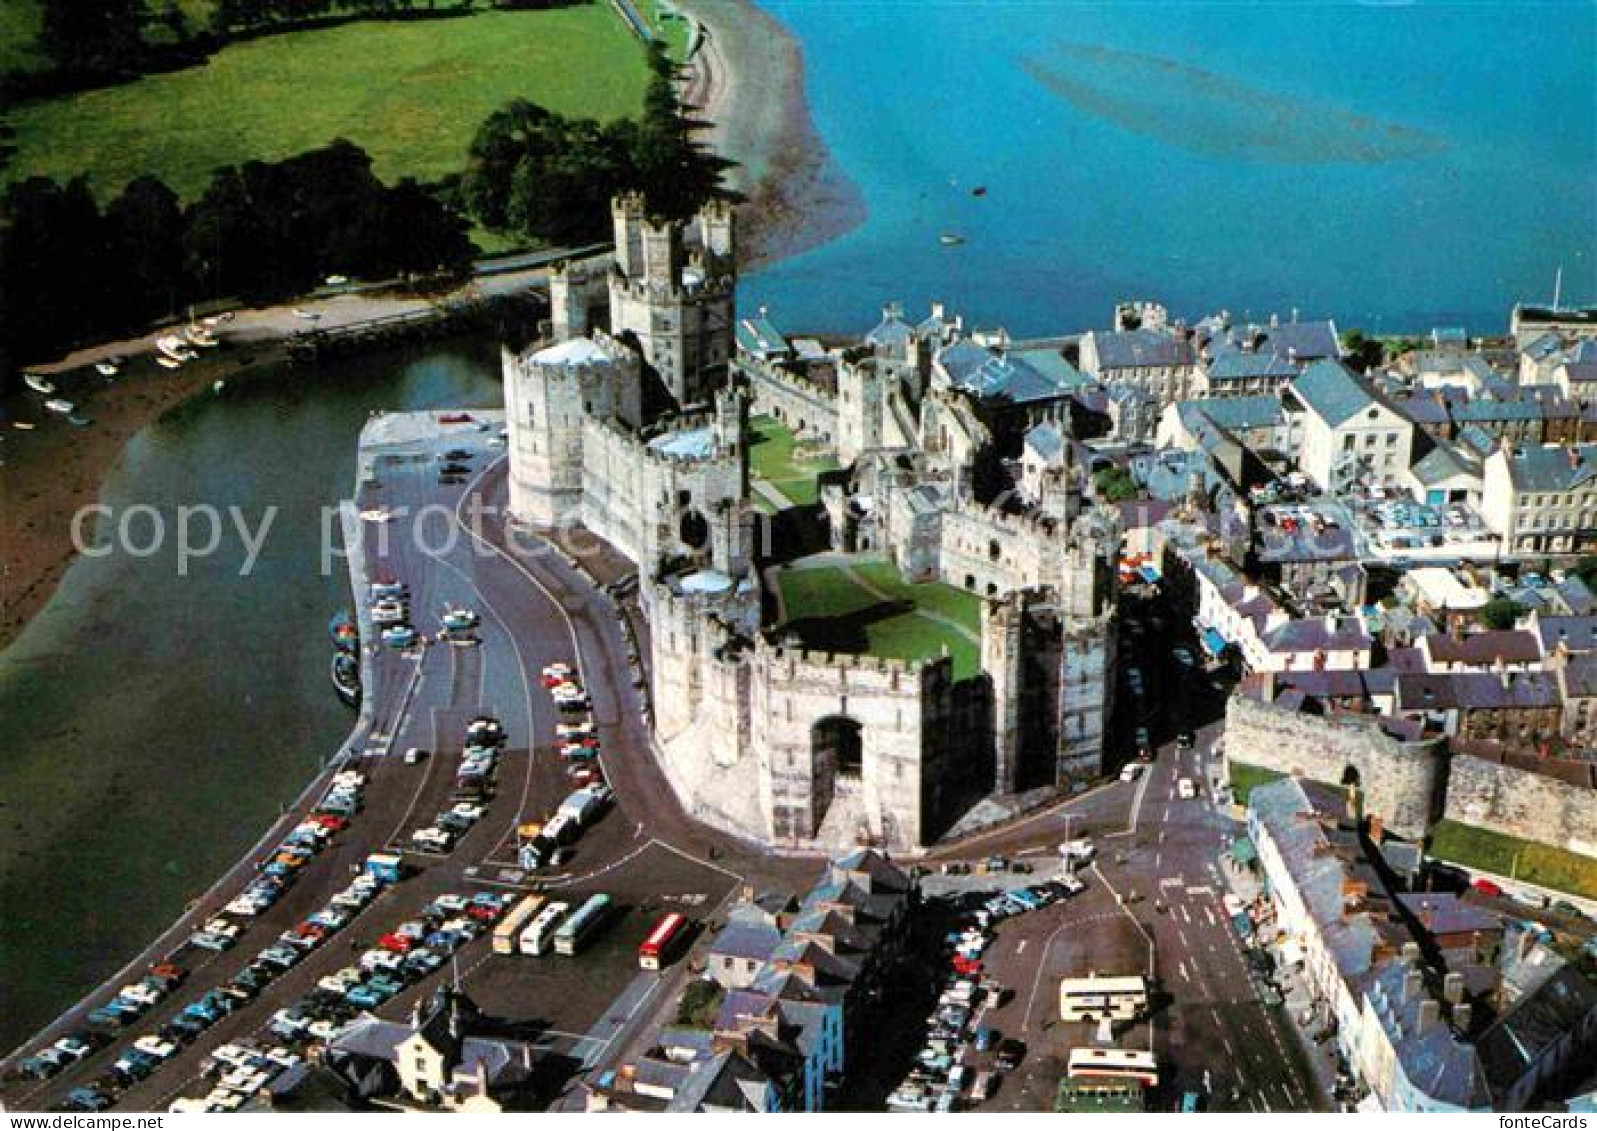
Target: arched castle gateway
{"points": [[797, 748]]}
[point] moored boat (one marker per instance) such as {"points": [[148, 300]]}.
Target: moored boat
{"points": [[345, 672], [38, 384], [343, 631], [56, 404]]}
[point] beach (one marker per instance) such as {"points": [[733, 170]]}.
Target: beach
{"points": [[747, 80]]}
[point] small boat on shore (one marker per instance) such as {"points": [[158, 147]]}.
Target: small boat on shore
{"points": [[344, 633], [200, 336], [56, 404], [106, 368], [175, 348], [38, 384], [23, 425], [345, 673], [168, 362]]}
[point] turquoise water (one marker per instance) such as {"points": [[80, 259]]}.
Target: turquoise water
{"points": [[1396, 166], [152, 724]]}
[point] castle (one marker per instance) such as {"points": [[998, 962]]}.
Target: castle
{"points": [[794, 748]]}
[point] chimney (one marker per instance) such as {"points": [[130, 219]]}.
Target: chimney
{"points": [[1425, 915], [1413, 981], [1377, 828], [1463, 1014], [1527, 943], [1430, 1014], [1275, 320], [938, 311], [1453, 987], [1411, 954]]}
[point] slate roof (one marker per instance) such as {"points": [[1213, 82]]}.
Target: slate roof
{"points": [[760, 337], [1335, 393], [1246, 365], [1261, 410], [1128, 349], [1444, 462], [1443, 913], [1047, 441], [1580, 363], [1552, 467], [892, 330], [1285, 810], [1019, 377], [1578, 634], [1312, 634], [1307, 341], [746, 940], [1435, 1061], [1476, 691], [1482, 649], [1513, 1046]]}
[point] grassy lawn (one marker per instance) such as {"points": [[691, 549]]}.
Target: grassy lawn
{"points": [[669, 25], [410, 93], [1245, 779], [1527, 860], [831, 612], [771, 447], [19, 29]]}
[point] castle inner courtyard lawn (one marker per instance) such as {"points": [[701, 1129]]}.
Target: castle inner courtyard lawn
{"points": [[771, 460], [410, 92], [864, 608]]}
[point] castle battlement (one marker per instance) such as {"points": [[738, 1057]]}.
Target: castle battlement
{"points": [[643, 289], [764, 371], [1023, 525], [638, 445]]}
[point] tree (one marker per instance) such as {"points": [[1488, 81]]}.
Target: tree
{"points": [[1115, 485], [1586, 570], [52, 266], [144, 231], [1363, 352], [98, 37], [1500, 612]]}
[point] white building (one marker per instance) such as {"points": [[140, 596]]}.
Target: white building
{"points": [[1351, 433], [1541, 499]]}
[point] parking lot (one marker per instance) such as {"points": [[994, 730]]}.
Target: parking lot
{"points": [[642, 849]]}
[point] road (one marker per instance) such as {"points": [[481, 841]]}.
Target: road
{"points": [[646, 853]]}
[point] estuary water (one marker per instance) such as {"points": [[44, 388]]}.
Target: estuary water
{"points": [[152, 724], [1395, 165]]}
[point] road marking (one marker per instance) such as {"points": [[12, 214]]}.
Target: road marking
{"points": [[1202, 891]]}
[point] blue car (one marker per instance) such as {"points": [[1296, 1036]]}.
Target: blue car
{"points": [[365, 997], [86, 1099]]}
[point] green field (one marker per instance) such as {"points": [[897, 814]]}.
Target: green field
{"points": [[411, 93], [19, 28], [1245, 779], [669, 25], [771, 446], [832, 611], [1526, 860]]}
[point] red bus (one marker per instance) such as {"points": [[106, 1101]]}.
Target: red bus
{"points": [[659, 948]]}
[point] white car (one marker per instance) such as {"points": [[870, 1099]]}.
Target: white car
{"points": [[1080, 849], [154, 1046], [1186, 789], [557, 671], [1131, 771], [467, 811]]}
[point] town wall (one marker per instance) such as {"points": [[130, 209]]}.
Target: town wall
{"points": [[1525, 803], [1402, 782]]}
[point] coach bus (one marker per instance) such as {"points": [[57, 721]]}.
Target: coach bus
{"points": [[1093, 999], [574, 932], [536, 938], [661, 946], [507, 933], [1113, 1064]]}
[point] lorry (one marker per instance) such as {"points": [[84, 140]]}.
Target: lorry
{"points": [[583, 805]]}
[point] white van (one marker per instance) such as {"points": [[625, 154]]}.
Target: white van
{"points": [[1186, 789]]}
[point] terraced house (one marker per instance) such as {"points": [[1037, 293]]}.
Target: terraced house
{"points": [[1542, 499]]}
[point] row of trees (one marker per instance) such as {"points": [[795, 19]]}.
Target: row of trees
{"points": [[98, 40], [539, 176], [71, 272]]}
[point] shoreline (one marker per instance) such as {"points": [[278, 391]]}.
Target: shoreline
{"points": [[796, 197]]}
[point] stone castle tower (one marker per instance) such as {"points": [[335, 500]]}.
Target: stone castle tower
{"points": [[678, 304], [550, 394]]}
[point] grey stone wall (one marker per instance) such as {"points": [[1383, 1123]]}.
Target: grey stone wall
{"points": [[1402, 782], [1522, 803]]}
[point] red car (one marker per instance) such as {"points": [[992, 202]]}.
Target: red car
{"points": [[454, 418], [1486, 887], [399, 944], [482, 914], [332, 822], [168, 972]]}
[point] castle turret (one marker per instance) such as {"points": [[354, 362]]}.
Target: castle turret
{"points": [[627, 214], [1001, 623], [718, 235]]}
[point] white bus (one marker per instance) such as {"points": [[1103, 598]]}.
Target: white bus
{"points": [[506, 937], [1093, 999], [1113, 1064], [539, 935]]}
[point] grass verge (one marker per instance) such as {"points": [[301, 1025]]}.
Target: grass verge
{"points": [[1543, 864]]}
